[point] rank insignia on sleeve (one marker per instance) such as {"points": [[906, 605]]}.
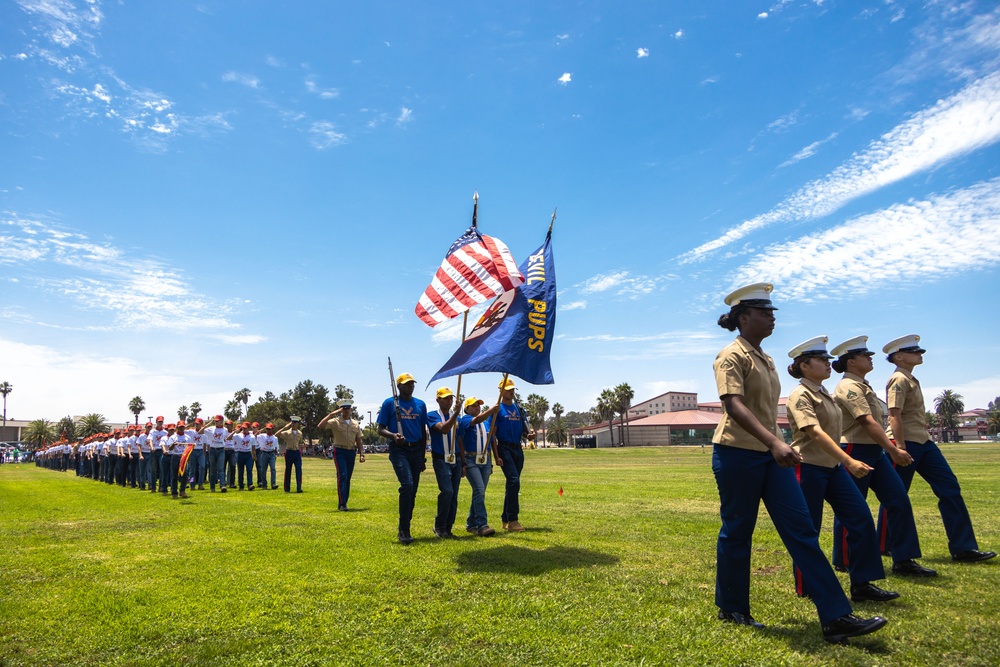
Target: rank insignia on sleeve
{"points": [[852, 394], [726, 364], [802, 403]]}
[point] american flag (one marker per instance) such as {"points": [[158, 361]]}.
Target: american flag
{"points": [[476, 269]]}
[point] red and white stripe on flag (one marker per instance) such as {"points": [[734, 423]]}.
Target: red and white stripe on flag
{"points": [[476, 269]]}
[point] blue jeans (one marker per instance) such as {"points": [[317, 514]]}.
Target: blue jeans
{"points": [[293, 457], [154, 468], [217, 467], [143, 473], [343, 459], [244, 463], [175, 474], [889, 490], [932, 466], [166, 472], [479, 477], [195, 469], [449, 477], [513, 462], [266, 461], [231, 467], [834, 485], [744, 478], [407, 462]]}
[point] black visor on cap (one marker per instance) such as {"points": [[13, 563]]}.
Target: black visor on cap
{"points": [[912, 348], [758, 303]]}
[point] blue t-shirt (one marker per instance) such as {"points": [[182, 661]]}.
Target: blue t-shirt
{"points": [[438, 439], [467, 432], [413, 413], [510, 423]]}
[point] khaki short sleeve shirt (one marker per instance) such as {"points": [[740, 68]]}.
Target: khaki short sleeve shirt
{"points": [[809, 404], [345, 433], [903, 392], [740, 370], [291, 439], [856, 398]]}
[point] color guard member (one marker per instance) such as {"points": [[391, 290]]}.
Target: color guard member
{"points": [[511, 428], [474, 448], [408, 438], [447, 465]]}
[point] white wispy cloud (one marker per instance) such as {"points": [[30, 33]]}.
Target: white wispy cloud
{"points": [[960, 124], [141, 293], [324, 135], [323, 93], [808, 151], [573, 305], [405, 116], [762, 16], [910, 243], [565, 78], [248, 80], [62, 22], [642, 52], [679, 34], [669, 344], [621, 283]]}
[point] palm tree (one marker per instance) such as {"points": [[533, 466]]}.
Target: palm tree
{"points": [[623, 401], [195, 409], [947, 406], [5, 388], [232, 410], [537, 407], [135, 406], [993, 422], [182, 413], [92, 424], [243, 396], [606, 410], [558, 411], [39, 432]]}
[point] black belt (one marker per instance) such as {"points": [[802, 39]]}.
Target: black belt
{"points": [[438, 457], [510, 444], [407, 444]]}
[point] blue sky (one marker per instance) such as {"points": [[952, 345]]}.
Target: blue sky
{"points": [[198, 197]]}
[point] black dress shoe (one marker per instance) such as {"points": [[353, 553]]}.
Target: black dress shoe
{"points": [[911, 568], [850, 625], [740, 619], [404, 537], [973, 556], [869, 592]]}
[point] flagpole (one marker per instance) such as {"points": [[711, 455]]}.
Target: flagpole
{"points": [[495, 421], [465, 323], [553, 221]]}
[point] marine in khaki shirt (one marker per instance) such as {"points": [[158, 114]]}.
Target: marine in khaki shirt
{"points": [[903, 392], [856, 398], [810, 404], [742, 370]]}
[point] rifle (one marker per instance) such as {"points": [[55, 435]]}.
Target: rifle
{"points": [[395, 398]]}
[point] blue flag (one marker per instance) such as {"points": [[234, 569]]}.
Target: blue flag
{"points": [[515, 333]]}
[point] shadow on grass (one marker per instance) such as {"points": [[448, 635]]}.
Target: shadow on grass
{"points": [[802, 638], [520, 560]]}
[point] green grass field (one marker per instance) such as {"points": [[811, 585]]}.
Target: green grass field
{"points": [[619, 570]]}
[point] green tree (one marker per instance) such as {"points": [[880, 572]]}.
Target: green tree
{"points": [[606, 408], [5, 389], [39, 433], [66, 427], [536, 406], [266, 408], [623, 401], [557, 432], [182, 413], [92, 424], [136, 406], [341, 392], [195, 410], [232, 410], [948, 405], [309, 401], [243, 396]]}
